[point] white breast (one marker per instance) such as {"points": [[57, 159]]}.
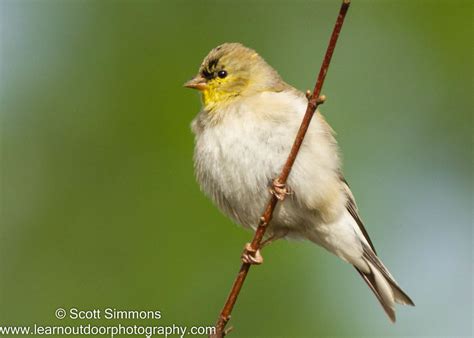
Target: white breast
{"points": [[236, 158]]}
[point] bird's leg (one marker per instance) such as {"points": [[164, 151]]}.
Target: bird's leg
{"points": [[280, 190], [251, 256], [275, 236]]}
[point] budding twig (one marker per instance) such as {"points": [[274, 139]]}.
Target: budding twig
{"points": [[314, 100]]}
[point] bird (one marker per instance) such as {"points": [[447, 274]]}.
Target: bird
{"points": [[243, 135]]}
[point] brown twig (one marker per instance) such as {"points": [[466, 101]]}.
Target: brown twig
{"points": [[314, 101]]}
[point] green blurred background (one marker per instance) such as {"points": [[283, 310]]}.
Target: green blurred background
{"points": [[99, 206]]}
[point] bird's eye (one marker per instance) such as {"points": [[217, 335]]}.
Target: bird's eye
{"points": [[222, 74]]}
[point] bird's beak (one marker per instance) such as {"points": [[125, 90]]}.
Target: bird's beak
{"points": [[197, 82]]}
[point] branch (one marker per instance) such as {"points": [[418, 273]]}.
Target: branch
{"points": [[314, 100]]}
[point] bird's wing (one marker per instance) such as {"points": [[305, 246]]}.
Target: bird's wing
{"points": [[354, 211], [379, 279]]}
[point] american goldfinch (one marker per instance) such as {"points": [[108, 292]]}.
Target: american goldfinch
{"points": [[243, 135]]}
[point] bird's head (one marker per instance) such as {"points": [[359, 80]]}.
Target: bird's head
{"points": [[230, 71]]}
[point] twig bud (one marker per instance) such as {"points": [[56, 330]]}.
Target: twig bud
{"points": [[321, 99]]}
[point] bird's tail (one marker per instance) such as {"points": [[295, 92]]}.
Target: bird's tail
{"points": [[381, 282]]}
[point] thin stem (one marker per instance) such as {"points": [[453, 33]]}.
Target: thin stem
{"points": [[313, 102]]}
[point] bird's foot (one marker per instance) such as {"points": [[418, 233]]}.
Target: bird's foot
{"points": [[280, 190], [251, 256]]}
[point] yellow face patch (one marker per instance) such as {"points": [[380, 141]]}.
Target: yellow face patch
{"points": [[215, 94]]}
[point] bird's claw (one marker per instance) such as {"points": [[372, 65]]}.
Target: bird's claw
{"points": [[280, 190], [251, 256]]}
